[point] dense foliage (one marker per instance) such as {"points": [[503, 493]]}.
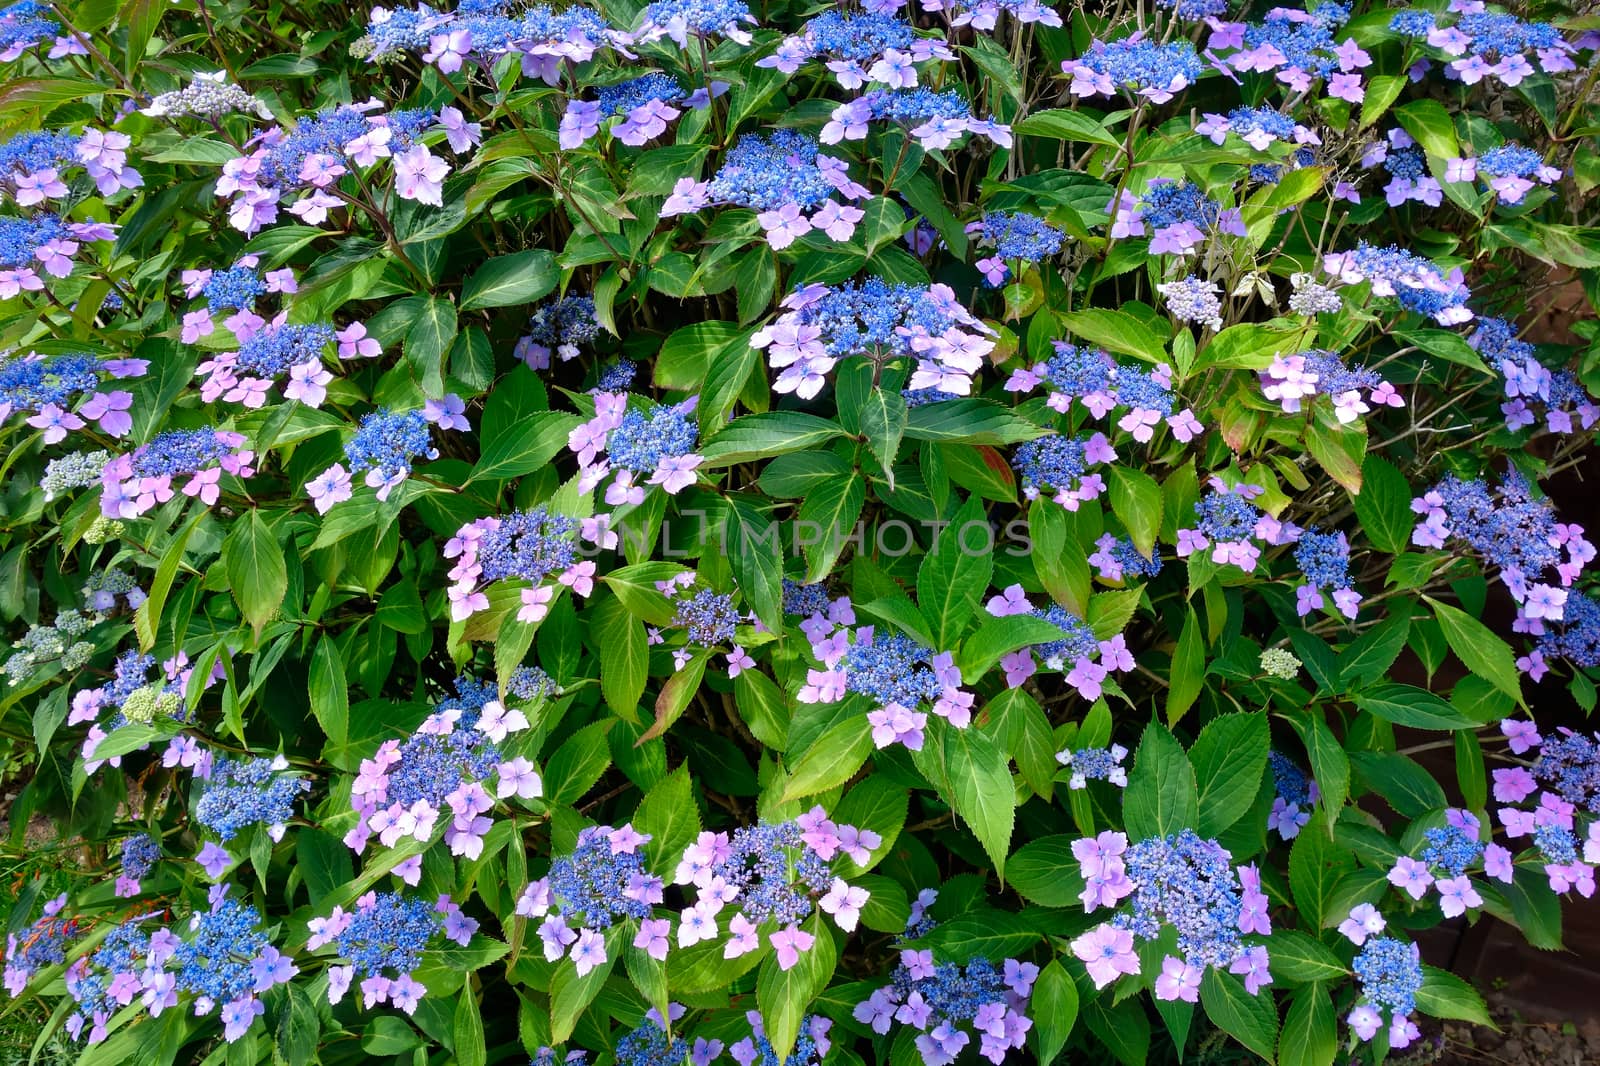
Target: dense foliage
{"points": [[940, 530]]}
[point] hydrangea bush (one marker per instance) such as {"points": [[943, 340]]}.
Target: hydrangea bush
{"points": [[927, 531]]}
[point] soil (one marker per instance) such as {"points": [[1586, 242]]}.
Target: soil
{"points": [[1520, 1041]]}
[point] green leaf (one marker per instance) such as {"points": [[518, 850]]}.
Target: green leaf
{"points": [[791, 477], [1059, 559], [760, 436], [206, 152], [785, 996], [278, 244], [1251, 1020], [1339, 450], [134, 736], [1369, 845], [675, 695], [897, 610], [329, 692], [1251, 345], [1471, 773], [954, 576], [981, 469], [624, 655], [519, 278], [48, 716], [984, 933], [994, 61], [1161, 797], [1429, 124], [470, 1047], [1028, 739], [1400, 781], [703, 968], [880, 805], [1310, 1035], [669, 815], [827, 520], [1451, 347], [389, 1035], [570, 995], [1412, 570], [324, 862], [763, 707], [636, 587], [511, 646], [478, 953], [527, 446], [758, 275], [1382, 91], [578, 763], [921, 193], [1316, 864], [883, 423], [1176, 1015], [153, 1043], [1110, 612], [832, 760], [973, 774], [1568, 245], [1054, 1009], [257, 574], [1368, 658], [37, 96], [299, 1026], [686, 356], [283, 65], [729, 371], [1299, 958], [1484, 653], [430, 336], [969, 420], [1136, 499], [1066, 126], [1534, 909], [1229, 759], [147, 619], [1293, 189], [14, 574], [885, 221], [997, 637], [754, 543], [1330, 766], [400, 609], [1444, 995], [1045, 872], [1124, 1028], [1188, 668], [649, 976], [1116, 331], [1408, 705], [1384, 505]]}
